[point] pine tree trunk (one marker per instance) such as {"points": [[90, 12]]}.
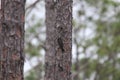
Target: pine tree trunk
{"points": [[59, 40], [12, 14]]}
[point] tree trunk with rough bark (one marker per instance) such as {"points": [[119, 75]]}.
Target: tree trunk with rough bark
{"points": [[59, 39], [12, 14]]}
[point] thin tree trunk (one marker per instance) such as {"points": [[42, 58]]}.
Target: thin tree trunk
{"points": [[12, 14], [59, 39]]}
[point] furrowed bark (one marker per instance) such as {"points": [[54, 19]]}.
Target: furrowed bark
{"points": [[59, 40], [12, 14]]}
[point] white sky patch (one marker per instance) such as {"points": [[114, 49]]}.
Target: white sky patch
{"points": [[73, 51], [29, 64], [35, 42], [117, 0]]}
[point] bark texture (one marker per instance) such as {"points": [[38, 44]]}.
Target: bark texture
{"points": [[59, 39], [12, 14]]}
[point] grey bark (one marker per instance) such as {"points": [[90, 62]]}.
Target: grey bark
{"points": [[59, 39], [12, 14]]}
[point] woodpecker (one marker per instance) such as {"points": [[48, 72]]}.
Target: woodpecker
{"points": [[60, 43], [60, 67]]}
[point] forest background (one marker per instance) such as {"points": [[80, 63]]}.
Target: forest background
{"points": [[96, 40]]}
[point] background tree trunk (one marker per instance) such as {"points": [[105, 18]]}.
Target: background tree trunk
{"points": [[12, 14], [59, 40]]}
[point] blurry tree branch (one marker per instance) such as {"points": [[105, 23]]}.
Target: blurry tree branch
{"points": [[33, 5]]}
